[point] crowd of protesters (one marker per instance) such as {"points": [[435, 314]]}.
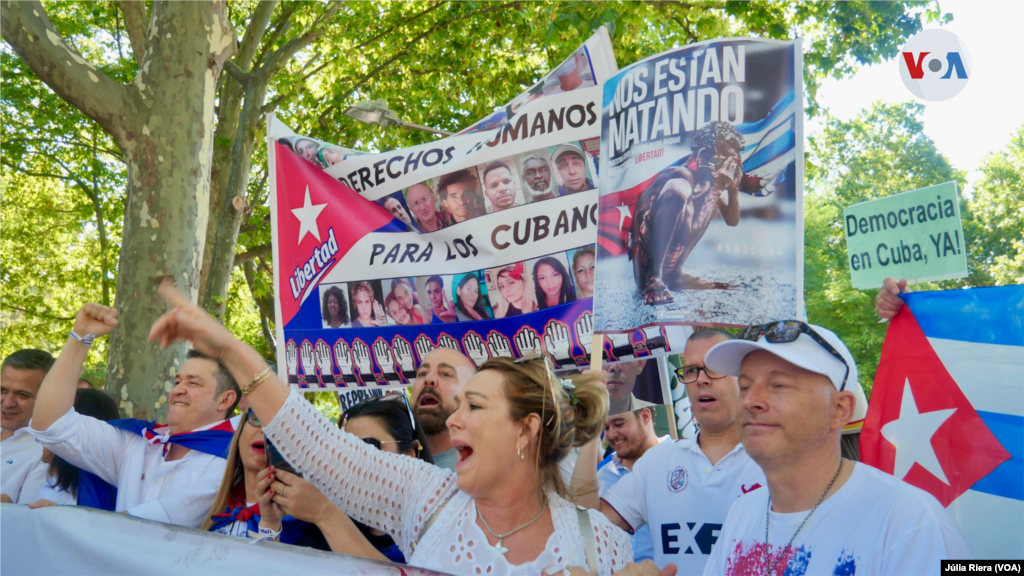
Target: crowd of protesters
{"points": [[496, 469]]}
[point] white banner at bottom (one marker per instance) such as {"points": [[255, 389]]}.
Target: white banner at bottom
{"points": [[73, 540]]}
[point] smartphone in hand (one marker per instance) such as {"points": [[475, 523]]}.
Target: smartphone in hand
{"points": [[275, 459]]}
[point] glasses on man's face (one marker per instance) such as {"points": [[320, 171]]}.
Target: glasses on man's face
{"points": [[786, 331], [252, 419], [689, 374]]}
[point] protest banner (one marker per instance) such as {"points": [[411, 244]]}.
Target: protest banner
{"points": [[481, 242], [79, 540], [947, 410], [917, 235], [712, 128]]}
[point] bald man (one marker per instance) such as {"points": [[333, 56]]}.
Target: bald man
{"points": [[439, 378]]}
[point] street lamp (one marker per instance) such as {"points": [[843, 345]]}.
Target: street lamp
{"points": [[377, 112]]}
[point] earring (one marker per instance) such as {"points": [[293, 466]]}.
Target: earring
{"points": [[519, 451]]}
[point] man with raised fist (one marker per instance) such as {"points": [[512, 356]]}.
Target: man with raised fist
{"points": [[166, 473]]}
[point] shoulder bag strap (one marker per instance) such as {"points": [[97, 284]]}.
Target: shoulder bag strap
{"points": [[587, 531]]}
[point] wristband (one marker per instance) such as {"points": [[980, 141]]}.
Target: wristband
{"points": [[87, 339], [256, 381]]}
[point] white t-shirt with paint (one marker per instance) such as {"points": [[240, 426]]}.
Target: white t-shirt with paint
{"points": [[676, 491], [873, 525]]}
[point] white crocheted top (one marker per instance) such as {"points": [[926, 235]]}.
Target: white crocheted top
{"points": [[398, 495]]}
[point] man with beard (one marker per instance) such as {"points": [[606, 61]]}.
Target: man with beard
{"points": [[673, 213], [572, 168], [499, 186], [440, 376], [630, 434], [458, 193], [683, 489], [395, 208], [537, 176]]}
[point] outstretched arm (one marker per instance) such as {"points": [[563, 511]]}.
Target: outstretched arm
{"points": [[57, 392], [348, 471]]}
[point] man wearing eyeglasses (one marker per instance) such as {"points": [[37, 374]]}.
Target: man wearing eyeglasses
{"points": [[821, 513], [682, 490]]}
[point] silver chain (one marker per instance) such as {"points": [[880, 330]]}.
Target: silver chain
{"points": [[770, 566], [501, 537]]}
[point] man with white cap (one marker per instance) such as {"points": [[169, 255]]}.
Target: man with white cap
{"points": [[821, 514]]}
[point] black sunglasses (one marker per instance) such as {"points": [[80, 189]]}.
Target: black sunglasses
{"points": [[251, 418], [786, 331], [377, 443]]}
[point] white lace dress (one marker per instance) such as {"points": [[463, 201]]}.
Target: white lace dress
{"points": [[398, 495]]}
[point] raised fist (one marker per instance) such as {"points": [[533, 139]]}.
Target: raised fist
{"points": [[95, 319]]}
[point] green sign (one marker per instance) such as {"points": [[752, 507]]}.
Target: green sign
{"points": [[917, 235]]}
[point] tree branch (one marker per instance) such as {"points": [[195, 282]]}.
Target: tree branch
{"points": [[258, 22], [136, 21], [278, 58], [237, 73], [251, 254], [38, 315], [30, 33]]}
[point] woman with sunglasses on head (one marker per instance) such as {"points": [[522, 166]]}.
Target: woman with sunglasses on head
{"points": [[243, 506], [504, 509], [387, 425]]}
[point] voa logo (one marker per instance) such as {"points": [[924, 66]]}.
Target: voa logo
{"points": [[935, 65]]}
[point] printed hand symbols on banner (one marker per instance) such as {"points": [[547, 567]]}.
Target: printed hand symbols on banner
{"points": [[424, 346], [654, 338], [382, 353], [528, 342], [622, 347], [585, 335], [476, 348], [446, 341], [559, 344], [499, 345], [308, 367], [361, 353], [291, 359], [343, 357], [403, 356], [323, 361]]}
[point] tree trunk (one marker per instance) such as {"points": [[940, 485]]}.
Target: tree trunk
{"points": [[168, 153], [163, 122]]}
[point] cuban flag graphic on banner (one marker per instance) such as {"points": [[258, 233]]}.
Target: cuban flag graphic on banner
{"points": [[947, 410], [319, 220]]}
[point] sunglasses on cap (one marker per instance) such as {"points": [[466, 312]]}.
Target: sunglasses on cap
{"points": [[786, 331]]}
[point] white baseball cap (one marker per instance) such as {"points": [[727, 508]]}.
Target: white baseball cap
{"points": [[727, 358]]}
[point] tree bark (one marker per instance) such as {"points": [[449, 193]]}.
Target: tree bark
{"points": [[163, 123]]}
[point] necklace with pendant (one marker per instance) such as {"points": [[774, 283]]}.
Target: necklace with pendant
{"points": [[770, 565], [497, 546]]}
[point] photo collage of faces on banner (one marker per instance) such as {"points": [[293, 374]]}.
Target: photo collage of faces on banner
{"points": [[495, 186]]}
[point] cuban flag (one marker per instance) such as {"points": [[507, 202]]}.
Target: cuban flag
{"points": [[769, 148], [317, 221], [947, 410]]}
